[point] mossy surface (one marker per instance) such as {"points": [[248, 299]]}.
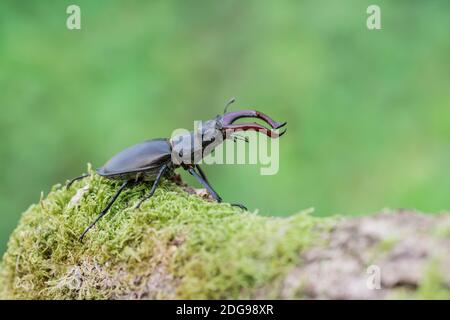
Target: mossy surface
{"points": [[176, 246], [180, 246]]}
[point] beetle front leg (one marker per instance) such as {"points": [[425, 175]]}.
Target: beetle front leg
{"points": [[202, 174], [204, 181]]}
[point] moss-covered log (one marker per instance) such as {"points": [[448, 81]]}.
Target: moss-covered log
{"points": [[181, 245]]}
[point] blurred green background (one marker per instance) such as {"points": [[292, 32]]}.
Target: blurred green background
{"points": [[368, 111]]}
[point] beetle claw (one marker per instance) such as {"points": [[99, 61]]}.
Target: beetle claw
{"points": [[282, 125], [229, 118], [252, 126]]}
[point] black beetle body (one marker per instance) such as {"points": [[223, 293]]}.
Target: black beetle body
{"points": [[153, 159], [139, 162]]}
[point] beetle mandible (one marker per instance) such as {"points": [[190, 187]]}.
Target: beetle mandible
{"points": [[153, 159]]}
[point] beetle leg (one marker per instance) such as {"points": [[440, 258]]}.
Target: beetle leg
{"points": [[239, 206], [155, 184], [204, 181], [202, 173], [105, 210], [76, 179]]}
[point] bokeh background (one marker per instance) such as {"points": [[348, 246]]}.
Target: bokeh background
{"points": [[368, 111]]}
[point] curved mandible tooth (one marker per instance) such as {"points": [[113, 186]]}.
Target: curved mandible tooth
{"points": [[230, 117]]}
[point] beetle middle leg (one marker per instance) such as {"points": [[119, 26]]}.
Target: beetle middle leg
{"points": [[105, 210], [155, 184]]}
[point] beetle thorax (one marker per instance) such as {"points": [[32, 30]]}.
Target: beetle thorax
{"points": [[191, 147]]}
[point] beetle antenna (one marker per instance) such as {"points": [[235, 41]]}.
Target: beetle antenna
{"points": [[232, 100]]}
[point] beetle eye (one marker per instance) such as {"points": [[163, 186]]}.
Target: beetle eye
{"points": [[209, 134], [218, 124]]}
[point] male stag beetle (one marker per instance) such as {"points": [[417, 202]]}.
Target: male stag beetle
{"points": [[153, 159]]}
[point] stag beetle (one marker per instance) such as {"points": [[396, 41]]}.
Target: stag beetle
{"points": [[153, 159]]}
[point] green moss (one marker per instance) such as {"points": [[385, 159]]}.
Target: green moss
{"points": [[432, 286], [176, 246], [181, 246], [387, 244], [442, 231]]}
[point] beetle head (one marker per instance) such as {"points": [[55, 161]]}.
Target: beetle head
{"points": [[211, 133], [223, 126]]}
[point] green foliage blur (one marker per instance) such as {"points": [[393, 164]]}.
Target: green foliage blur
{"points": [[368, 111]]}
